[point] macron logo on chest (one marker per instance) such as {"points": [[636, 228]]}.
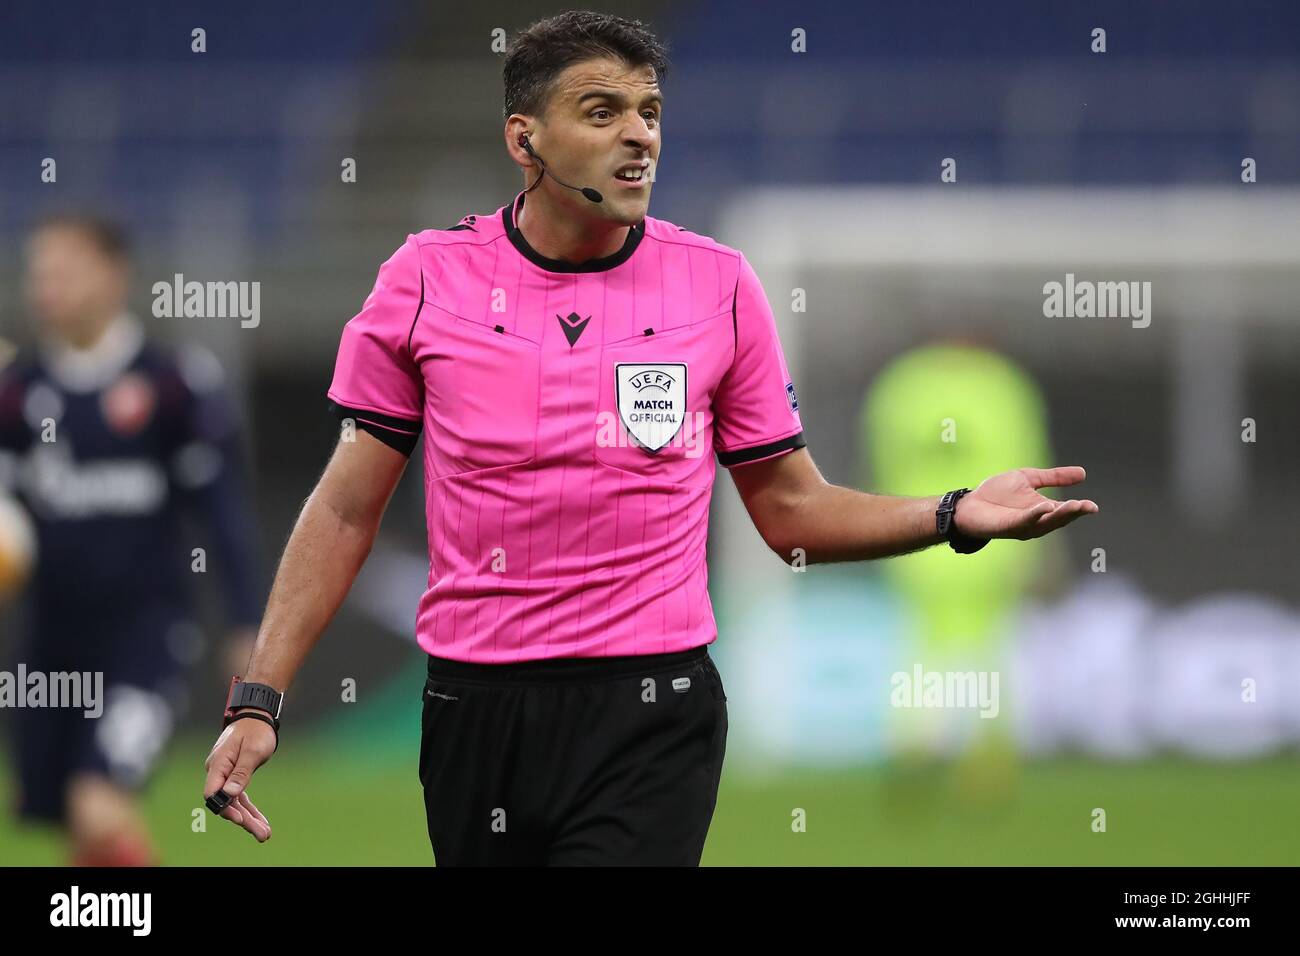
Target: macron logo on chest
{"points": [[573, 324]]}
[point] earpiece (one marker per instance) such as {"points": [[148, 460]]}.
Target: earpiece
{"points": [[587, 191]]}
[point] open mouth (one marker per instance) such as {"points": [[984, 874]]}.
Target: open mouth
{"points": [[632, 175]]}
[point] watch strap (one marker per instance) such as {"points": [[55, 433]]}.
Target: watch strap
{"points": [[260, 697], [946, 523]]}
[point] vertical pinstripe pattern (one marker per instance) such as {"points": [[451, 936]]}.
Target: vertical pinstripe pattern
{"points": [[604, 546]]}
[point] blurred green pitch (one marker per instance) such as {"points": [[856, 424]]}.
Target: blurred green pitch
{"points": [[345, 805]]}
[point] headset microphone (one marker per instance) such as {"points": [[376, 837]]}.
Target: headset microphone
{"points": [[585, 190]]}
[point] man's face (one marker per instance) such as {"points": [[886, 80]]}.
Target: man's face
{"points": [[70, 285], [603, 115]]}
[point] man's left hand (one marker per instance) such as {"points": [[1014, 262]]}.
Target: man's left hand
{"points": [[1009, 505]]}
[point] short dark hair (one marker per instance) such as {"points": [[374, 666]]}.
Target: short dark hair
{"points": [[107, 235], [539, 54]]}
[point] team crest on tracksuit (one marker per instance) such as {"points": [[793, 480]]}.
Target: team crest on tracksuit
{"points": [[651, 401]]}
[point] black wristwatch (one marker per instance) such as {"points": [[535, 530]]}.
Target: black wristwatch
{"points": [[961, 543], [258, 697]]}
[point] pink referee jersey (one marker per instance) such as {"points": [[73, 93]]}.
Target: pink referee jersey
{"points": [[571, 414]]}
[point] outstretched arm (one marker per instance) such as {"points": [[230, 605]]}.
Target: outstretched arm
{"points": [[794, 507]]}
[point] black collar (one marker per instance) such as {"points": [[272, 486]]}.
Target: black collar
{"points": [[634, 236]]}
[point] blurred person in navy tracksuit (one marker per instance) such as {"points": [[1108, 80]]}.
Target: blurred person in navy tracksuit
{"points": [[106, 439]]}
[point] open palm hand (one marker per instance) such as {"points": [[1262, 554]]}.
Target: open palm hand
{"points": [[1009, 505]]}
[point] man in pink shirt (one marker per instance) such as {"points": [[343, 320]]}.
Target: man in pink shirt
{"points": [[574, 366]]}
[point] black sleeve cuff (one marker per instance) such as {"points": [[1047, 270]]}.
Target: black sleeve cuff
{"points": [[398, 433], [744, 455]]}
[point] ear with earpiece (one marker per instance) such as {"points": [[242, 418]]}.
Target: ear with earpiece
{"points": [[528, 148]]}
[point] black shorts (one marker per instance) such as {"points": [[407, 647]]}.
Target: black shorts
{"points": [[143, 659], [573, 761]]}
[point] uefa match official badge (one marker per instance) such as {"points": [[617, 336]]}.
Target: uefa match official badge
{"points": [[651, 401]]}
